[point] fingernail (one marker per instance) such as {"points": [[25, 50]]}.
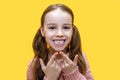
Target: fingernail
{"points": [[60, 52], [56, 53], [40, 59]]}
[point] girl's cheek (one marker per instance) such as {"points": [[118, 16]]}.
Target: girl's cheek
{"points": [[50, 33], [68, 33]]}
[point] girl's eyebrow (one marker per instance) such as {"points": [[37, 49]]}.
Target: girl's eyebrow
{"points": [[51, 24], [67, 24]]}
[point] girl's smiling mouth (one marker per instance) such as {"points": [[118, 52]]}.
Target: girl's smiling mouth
{"points": [[59, 42]]}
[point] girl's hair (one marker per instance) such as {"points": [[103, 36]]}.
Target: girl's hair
{"points": [[40, 45]]}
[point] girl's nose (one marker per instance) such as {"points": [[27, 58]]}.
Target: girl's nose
{"points": [[59, 33]]}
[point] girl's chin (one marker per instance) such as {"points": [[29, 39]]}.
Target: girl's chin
{"points": [[58, 50]]}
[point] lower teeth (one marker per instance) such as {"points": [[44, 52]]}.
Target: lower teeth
{"points": [[58, 42]]}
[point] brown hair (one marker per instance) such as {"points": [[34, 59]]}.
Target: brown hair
{"points": [[40, 45]]}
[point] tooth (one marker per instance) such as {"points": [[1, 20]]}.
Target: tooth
{"points": [[59, 42]]}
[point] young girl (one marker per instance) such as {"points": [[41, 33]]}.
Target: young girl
{"points": [[57, 48]]}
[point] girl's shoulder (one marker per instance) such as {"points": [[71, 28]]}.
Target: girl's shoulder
{"points": [[84, 55], [31, 62], [30, 69], [85, 58]]}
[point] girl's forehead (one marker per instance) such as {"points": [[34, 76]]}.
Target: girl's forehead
{"points": [[57, 12], [58, 15]]}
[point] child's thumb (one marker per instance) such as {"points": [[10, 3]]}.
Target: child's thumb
{"points": [[42, 64], [75, 59]]}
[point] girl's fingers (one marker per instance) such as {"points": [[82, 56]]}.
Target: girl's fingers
{"points": [[75, 59], [52, 59], [42, 64], [67, 54], [65, 57], [63, 66]]}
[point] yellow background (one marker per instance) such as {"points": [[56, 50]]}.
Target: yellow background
{"points": [[98, 22]]}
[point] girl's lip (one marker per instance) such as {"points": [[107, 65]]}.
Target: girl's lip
{"points": [[59, 39]]}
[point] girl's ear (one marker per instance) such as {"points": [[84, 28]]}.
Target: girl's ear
{"points": [[42, 31]]}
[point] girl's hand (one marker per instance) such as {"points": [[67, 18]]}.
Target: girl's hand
{"points": [[68, 65], [52, 70]]}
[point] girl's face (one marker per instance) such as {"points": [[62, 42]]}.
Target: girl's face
{"points": [[57, 29]]}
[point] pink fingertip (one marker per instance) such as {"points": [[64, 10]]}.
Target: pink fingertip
{"points": [[40, 59], [56, 53], [61, 52]]}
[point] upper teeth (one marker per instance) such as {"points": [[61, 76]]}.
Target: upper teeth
{"points": [[59, 42]]}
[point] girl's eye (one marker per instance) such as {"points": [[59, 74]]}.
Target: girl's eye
{"points": [[52, 28], [66, 27]]}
